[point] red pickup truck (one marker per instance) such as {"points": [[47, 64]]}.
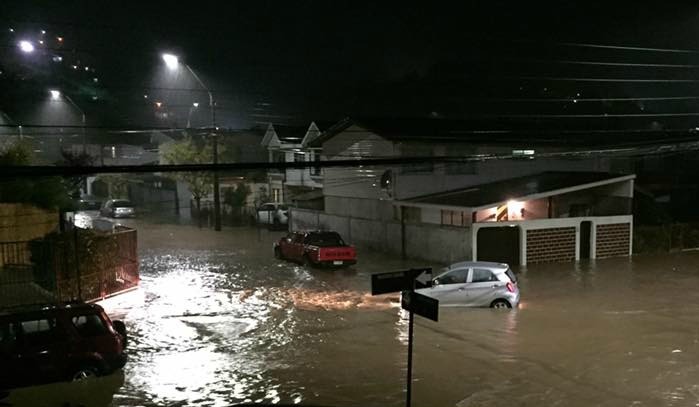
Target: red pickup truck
{"points": [[317, 248]]}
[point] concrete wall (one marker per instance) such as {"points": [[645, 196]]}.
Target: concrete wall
{"points": [[19, 222], [442, 244], [360, 208]]}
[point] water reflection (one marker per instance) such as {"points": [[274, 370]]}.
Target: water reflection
{"points": [[218, 326], [94, 392]]}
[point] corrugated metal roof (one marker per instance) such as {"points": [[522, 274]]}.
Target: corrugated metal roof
{"points": [[528, 187]]}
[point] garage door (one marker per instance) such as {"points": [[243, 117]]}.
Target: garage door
{"points": [[499, 244]]}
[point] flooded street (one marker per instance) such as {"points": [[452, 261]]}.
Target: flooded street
{"points": [[217, 320]]}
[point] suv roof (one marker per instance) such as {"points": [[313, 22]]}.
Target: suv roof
{"points": [[25, 309], [484, 264]]}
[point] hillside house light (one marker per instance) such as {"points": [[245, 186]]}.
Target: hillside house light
{"points": [[26, 46], [171, 61]]}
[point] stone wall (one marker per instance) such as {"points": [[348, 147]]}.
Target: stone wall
{"points": [[21, 222], [551, 245], [613, 240]]}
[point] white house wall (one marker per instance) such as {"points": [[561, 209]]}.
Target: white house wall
{"points": [[356, 181]]}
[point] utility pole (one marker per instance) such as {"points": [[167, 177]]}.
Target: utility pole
{"points": [[214, 136]]}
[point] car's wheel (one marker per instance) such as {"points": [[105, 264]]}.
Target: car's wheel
{"points": [[84, 373], [500, 304], [307, 261], [277, 253]]}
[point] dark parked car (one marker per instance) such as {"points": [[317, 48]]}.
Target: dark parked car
{"points": [[118, 208], [70, 342]]}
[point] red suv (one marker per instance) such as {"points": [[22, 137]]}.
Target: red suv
{"points": [[51, 343]]}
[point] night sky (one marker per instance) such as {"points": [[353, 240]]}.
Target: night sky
{"points": [[292, 62]]}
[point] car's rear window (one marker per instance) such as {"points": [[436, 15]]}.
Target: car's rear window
{"points": [[38, 332], [511, 275], [89, 325], [327, 239], [122, 204]]}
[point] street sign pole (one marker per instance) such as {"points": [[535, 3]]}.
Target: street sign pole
{"points": [[409, 387], [404, 282]]}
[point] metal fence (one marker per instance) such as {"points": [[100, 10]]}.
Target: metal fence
{"points": [[75, 265]]}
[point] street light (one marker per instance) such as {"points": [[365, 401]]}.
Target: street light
{"points": [[26, 46], [56, 96], [195, 105], [172, 62]]}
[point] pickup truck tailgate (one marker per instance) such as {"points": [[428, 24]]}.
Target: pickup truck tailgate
{"points": [[337, 253]]}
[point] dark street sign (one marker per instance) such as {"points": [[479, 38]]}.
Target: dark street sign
{"points": [[420, 304], [397, 281]]}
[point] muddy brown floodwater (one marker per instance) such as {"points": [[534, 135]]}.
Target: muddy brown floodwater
{"points": [[217, 321]]}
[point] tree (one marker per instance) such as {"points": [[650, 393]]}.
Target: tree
{"points": [[237, 197], [191, 151], [71, 159], [44, 192]]}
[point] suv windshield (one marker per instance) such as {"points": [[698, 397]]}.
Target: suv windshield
{"points": [[122, 204]]}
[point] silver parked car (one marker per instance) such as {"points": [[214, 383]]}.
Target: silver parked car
{"points": [[118, 208], [475, 284]]}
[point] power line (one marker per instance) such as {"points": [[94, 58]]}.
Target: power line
{"points": [[615, 47], [601, 80]]}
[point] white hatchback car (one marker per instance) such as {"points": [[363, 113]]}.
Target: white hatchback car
{"points": [[273, 214], [475, 284]]}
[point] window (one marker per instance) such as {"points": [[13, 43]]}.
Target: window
{"points": [[483, 275], [523, 154], [315, 170], [455, 218], [454, 277], [299, 157], [89, 325], [298, 238], [267, 207], [276, 195], [511, 275], [38, 332]]}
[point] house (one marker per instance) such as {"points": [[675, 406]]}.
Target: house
{"points": [[545, 217], [299, 186], [378, 206]]}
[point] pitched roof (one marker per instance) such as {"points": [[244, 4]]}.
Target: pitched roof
{"points": [[522, 188], [429, 130], [290, 134]]}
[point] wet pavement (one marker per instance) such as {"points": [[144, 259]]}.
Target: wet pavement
{"points": [[217, 320]]}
